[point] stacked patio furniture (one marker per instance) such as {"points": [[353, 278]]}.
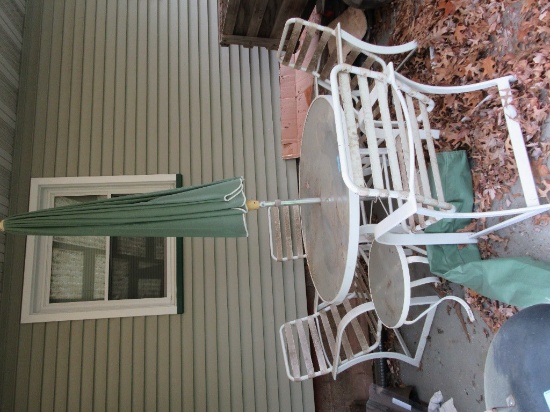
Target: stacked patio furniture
{"points": [[386, 152]]}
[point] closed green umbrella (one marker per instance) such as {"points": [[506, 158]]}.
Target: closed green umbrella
{"points": [[211, 210]]}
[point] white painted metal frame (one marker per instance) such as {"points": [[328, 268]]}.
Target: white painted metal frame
{"points": [[35, 300], [381, 264], [285, 228], [331, 333], [319, 329], [411, 192], [406, 257], [348, 48]]}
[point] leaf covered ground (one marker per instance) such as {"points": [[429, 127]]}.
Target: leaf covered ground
{"points": [[466, 41]]}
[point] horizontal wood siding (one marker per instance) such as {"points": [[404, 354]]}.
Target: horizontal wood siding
{"points": [[12, 14], [139, 87]]}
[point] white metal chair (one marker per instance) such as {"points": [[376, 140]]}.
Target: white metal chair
{"points": [[347, 334], [393, 130], [334, 46], [285, 232]]}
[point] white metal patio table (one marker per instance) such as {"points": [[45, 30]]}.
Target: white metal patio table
{"points": [[330, 228]]}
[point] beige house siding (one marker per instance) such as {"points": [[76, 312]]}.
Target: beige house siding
{"points": [[12, 14], [138, 87]]}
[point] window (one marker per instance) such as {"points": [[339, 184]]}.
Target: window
{"points": [[91, 277]]}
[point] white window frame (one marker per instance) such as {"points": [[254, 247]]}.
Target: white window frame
{"points": [[36, 306]]}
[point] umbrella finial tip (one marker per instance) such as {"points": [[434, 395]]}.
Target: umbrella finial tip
{"points": [[252, 204]]}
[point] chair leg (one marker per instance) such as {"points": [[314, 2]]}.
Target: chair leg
{"points": [[402, 342], [434, 301], [406, 357], [423, 339], [518, 143]]}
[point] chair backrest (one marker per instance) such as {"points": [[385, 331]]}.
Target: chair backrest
{"points": [[387, 131], [303, 361], [334, 46], [388, 138]]}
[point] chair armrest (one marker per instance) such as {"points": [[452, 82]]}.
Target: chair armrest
{"points": [[478, 215], [499, 82]]}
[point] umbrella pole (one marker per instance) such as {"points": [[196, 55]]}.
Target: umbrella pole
{"points": [[257, 204]]}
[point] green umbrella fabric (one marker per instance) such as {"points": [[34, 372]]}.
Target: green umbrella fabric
{"points": [[518, 281], [211, 210]]}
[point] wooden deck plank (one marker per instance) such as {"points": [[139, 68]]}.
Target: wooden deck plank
{"points": [[229, 10], [227, 39], [258, 23], [257, 17], [269, 16], [289, 8]]}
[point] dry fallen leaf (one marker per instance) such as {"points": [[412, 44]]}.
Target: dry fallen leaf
{"points": [[472, 42]]}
